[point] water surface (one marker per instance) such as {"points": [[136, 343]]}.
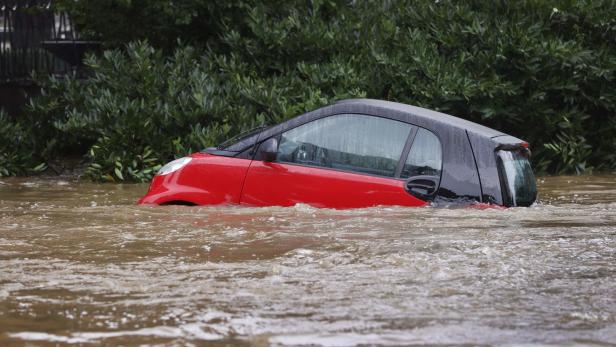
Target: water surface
{"points": [[81, 264]]}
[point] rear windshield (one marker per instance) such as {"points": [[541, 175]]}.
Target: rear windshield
{"points": [[517, 179]]}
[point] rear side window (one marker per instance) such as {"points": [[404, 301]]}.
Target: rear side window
{"points": [[425, 157], [350, 142], [517, 178]]}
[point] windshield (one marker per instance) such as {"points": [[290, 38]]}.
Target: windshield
{"points": [[517, 178], [241, 136]]}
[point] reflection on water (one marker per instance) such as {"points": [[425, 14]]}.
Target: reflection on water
{"points": [[80, 263]]}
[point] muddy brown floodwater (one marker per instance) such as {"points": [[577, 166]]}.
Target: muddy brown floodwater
{"points": [[81, 264]]}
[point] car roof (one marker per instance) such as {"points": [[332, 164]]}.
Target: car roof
{"points": [[432, 120], [414, 114]]}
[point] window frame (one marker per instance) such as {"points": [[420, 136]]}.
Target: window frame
{"points": [[406, 151]]}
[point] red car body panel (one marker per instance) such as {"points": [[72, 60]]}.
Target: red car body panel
{"points": [[206, 180], [287, 184], [217, 180]]}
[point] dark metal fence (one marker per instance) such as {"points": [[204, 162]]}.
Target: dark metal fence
{"points": [[28, 29]]}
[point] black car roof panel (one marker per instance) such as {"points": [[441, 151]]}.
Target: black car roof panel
{"points": [[385, 107], [406, 113]]}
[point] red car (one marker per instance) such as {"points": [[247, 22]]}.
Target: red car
{"points": [[355, 153]]}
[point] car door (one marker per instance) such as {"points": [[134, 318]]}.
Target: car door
{"points": [[340, 161]]}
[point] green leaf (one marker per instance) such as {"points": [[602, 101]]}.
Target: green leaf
{"points": [[119, 174]]}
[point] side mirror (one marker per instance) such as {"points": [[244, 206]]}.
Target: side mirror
{"points": [[268, 150]]}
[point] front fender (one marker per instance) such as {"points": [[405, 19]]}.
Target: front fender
{"points": [[206, 180]]}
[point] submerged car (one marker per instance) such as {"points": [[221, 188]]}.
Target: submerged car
{"points": [[351, 154]]}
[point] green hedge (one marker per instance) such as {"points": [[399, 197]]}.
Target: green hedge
{"points": [[544, 72], [16, 149]]}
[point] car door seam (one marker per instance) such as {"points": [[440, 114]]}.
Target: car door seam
{"points": [[476, 166]]}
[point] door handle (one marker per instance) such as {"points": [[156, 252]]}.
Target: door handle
{"points": [[422, 187]]}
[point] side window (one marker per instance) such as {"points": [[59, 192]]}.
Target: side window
{"points": [[425, 157], [351, 142]]}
